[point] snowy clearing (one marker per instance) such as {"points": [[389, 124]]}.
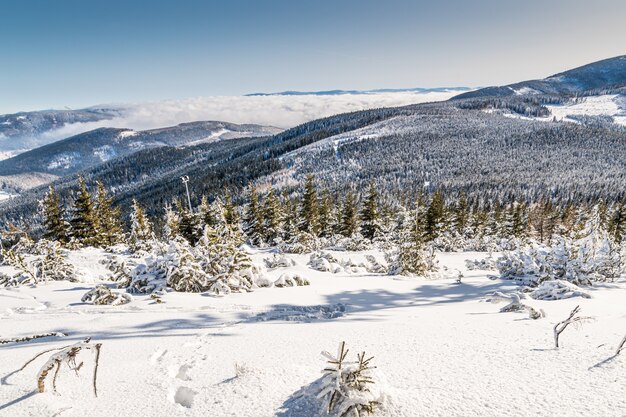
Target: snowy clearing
{"points": [[440, 349]]}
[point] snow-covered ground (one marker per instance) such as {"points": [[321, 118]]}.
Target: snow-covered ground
{"points": [[604, 105], [443, 351]]}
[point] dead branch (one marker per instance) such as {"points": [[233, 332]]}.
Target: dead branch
{"points": [[572, 319], [621, 346], [67, 354], [95, 369], [29, 338]]}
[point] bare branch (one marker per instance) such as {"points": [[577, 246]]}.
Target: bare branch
{"points": [[572, 319]]}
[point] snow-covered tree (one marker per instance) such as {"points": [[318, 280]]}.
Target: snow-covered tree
{"points": [[54, 217], [253, 221], [370, 216], [106, 218], [83, 221], [140, 229]]}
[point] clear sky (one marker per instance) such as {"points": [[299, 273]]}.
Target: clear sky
{"points": [[82, 52]]}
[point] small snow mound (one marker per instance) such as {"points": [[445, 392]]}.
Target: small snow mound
{"points": [[557, 290], [184, 396]]}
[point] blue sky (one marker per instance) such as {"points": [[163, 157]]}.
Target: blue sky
{"points": [[78, 53]]}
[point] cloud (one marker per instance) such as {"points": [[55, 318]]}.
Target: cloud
{"points": [[281, 111]]}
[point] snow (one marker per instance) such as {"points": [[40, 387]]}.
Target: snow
{"points": [[442, 350], [608, 105], [104, 153], [5, 196], [64, 160], [127, 134]]}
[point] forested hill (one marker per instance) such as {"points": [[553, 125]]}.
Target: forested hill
{"points": [[490, 149], [606, 74]]}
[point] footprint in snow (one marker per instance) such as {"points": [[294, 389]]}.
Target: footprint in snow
{"points": [[183, 396], [180, 372]]}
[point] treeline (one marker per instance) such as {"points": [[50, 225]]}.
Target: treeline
{"points": [[316, 214]]}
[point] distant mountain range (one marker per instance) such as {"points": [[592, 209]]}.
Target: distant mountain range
{"points": [[563, 138], [91, 148], [27, 130], [377, 91], [606, 74]]}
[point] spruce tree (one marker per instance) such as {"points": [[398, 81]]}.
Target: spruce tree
{"points": [[325, 215], [435, 215], [83, 223], [310, 208], [231, 216], [617, 223], [140, 228], [189, 225], [107, 218], [273, 218], [54, 221], [370, 217], [253, 218], [349, 217], [461, 214], [172, 223]]}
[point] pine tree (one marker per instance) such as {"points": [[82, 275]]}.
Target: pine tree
{"points": [[83, 222], [349, 217], [54, 222], [107, 218], [140, 229], [310, 208], [370, 217]]}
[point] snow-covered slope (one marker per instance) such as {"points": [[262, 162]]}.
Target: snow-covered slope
{"points": [[28, 130], [604, 74], [101, 145], [441, 350], [612, 105]]}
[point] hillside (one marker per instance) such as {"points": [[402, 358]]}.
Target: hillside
{"points": [[605, 74], [95, 147]]}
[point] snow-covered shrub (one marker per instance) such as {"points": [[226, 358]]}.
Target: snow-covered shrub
{"points": [[148, 277], [557, 290], [215, 265], [302, 242], [278, 261], [52, 264], [354, 243], [514, 304], [372, 265], [290, 280], [184, 272], [349, 388], [324, 262], [102, 295], [411, 260], [594, 257], [25, 273], [486, 264], [121, 269]]}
